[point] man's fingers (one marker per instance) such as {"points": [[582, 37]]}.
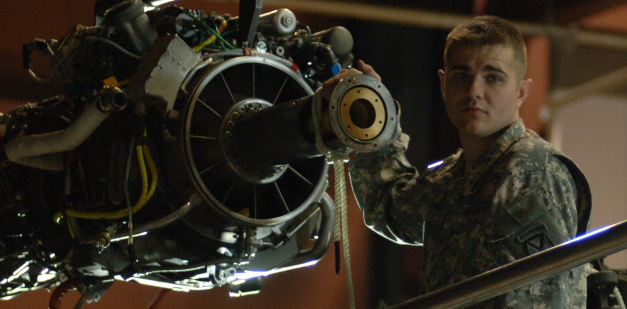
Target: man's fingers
{"points": [[329, 85], [368, 70]]}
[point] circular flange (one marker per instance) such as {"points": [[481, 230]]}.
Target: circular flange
{"points": [[250, 171], [362, 113]]}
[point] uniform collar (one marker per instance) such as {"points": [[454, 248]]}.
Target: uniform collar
{"points": [[500, 145]]}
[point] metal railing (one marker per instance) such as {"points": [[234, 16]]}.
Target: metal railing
{"points": [[526, 271]]}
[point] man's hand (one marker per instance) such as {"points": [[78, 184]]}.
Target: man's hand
{"points": [[329, 85]]}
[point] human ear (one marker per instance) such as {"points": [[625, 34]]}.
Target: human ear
{"points": [[442, 83], [524, 88]]}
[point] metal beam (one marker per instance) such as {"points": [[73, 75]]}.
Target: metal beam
{"points": [[437, 20], [525, 271], [562, 97]]}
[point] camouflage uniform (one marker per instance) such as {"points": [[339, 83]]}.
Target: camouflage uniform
{"points": [[520, 197]]}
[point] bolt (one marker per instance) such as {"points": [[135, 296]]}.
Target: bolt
{"points": [[221, 274], [236, 114], [262, 46], [229, 134], [287, 20]]}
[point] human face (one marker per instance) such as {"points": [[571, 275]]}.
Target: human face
{"points": [[482, 91]]}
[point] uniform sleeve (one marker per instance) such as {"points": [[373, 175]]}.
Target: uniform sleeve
{"points": [[383, 183], [551, 211]]}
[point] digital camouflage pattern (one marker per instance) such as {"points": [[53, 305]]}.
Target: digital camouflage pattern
{"points": [[520, 197]]}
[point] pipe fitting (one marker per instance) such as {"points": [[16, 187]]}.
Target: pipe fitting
{"points": [[112, 100]]}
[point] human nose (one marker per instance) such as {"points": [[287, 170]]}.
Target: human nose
{"points": [[475, 88]]}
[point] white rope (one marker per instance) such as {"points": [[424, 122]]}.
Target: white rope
{"points": [[619, 298], [337, 158]]}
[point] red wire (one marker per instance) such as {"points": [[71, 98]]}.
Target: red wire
{"points": [[59, 293]]}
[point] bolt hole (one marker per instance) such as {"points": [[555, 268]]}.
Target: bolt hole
{"points": [[375, 145], [392, 119]]}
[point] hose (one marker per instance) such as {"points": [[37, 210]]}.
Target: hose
{"points": [[20, 149]]}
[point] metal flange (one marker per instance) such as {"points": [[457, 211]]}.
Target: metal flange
{"points": [[362, 113]]}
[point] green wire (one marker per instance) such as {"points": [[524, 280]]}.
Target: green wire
{"points": [[216, 33], [308, 35]]}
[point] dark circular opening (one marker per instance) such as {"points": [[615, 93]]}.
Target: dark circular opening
{"points": [[362, 113], [119, 99]]}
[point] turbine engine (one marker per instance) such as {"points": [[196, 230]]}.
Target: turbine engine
{"points": [[179, 152]]}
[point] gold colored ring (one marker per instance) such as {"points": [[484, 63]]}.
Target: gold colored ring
{"points": [[368, 111]]}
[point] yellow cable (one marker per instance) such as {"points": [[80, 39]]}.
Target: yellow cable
{"points": [[69, 226], [144, 196], [211, 39], [153, 172]]}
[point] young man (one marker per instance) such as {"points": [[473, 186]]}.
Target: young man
{"points": [[505, 195]]}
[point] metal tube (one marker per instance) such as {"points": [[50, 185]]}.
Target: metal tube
{"points": [[525, 271], [316, 253]]}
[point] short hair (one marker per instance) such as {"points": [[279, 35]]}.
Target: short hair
{"points": [[487, 30]]}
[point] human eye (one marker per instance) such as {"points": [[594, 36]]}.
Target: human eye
{"points": [[460, 76], [494, 79]]}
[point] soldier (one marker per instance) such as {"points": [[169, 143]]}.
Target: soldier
{"points": [[505, 195]]}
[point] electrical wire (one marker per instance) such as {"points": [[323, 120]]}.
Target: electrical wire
{"points": [[212, 38], [146, 193], [216, 33], [308, 35], [126, 193]]}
